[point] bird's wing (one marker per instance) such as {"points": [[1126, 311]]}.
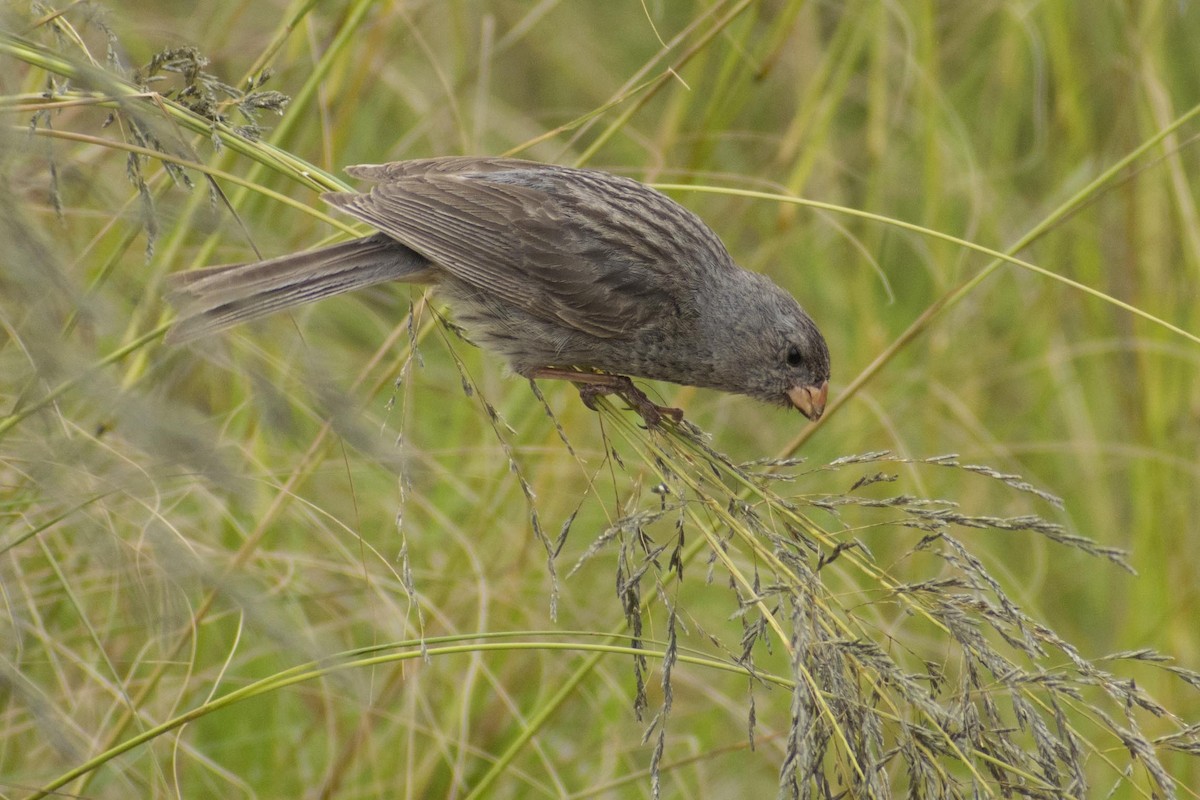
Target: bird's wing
{"points": [[576, 247]]}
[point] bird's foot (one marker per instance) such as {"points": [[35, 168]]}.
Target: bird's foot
{"points": [[593, 384], [623, 388]]}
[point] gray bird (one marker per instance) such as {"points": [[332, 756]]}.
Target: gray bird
{"points": [[573, 274]]}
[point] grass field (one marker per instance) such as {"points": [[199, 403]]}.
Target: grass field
{"points": [[341, 553]]}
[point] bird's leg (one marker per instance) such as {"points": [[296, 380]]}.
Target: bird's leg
{"points": [[594, 384]]}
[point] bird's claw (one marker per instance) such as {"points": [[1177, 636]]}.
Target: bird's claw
{"points": [[623, 387]]}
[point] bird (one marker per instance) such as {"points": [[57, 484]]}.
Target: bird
{"points": [[569, 273]]}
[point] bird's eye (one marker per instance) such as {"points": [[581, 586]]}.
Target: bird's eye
{"points": [[794, 356]]}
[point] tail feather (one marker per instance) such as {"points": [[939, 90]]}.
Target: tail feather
{"points": [[212, 299]]}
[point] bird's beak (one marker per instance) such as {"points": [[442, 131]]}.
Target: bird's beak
{"points": [[810, 399]]}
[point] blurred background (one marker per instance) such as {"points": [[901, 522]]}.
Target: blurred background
{"points": [[179, 522]]}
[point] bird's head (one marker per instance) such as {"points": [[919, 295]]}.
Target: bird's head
{"points": [[780, 354]]}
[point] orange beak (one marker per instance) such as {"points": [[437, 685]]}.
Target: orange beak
{"points": [[810, 400]]}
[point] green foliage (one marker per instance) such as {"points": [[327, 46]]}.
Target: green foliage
{"points": [[340, 553]]}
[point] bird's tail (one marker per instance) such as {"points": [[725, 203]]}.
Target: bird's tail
{"points": [[216, 298]]}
